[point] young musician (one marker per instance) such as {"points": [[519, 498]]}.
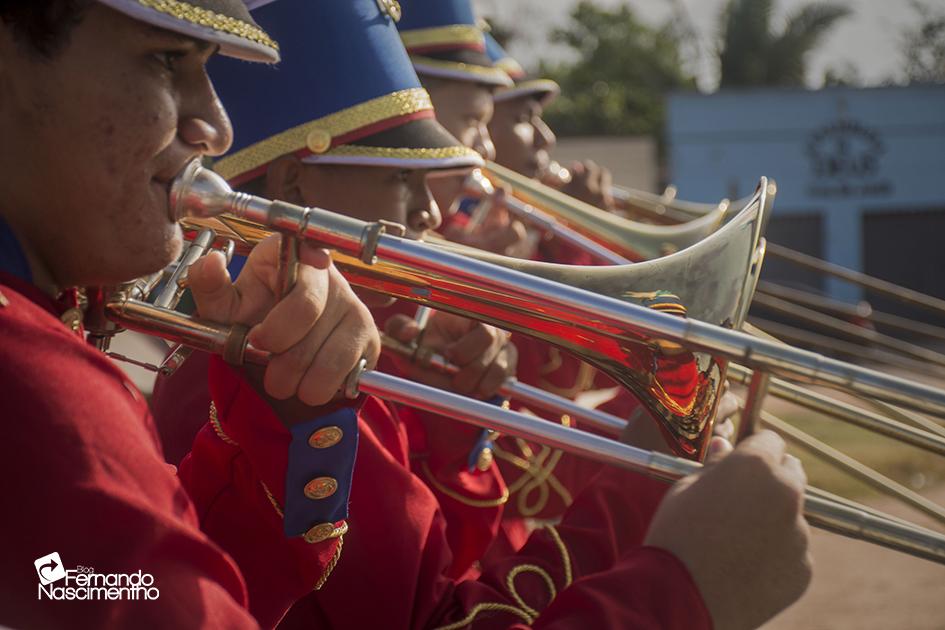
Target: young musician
{"points": [[101, 105]]}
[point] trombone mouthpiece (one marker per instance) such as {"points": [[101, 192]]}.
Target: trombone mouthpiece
{"points": [[200, 193]]}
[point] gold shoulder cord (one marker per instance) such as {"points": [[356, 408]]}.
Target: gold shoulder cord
{"points": [[338, 532], [523, 611], [477, 503]]}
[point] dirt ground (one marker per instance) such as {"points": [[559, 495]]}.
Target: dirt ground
{"points": [[864, 587]]}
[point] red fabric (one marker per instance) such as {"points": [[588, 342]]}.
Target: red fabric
{"points": [[86, 478], [396, 559]]}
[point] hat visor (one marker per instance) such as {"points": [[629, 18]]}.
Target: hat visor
{"points": [[416, 144], [238, 37], [461, 65], [545, 90]]}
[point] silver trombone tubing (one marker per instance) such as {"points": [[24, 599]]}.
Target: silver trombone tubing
{"points": [[532, 397], [839, 518], [444, 280], [539, 399]]}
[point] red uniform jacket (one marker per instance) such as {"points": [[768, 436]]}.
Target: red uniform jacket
{"points": [[420, 522], [85, 479]]}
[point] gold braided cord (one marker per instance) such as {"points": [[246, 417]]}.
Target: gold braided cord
{"points": [[218, 428], [486, 73], [529, 568], [477, 503], [331, 564], [404, 153], [393, 105], [205, 17], [458, 34], [541, 481], [272, 499], [565, 556], [487, 607]]}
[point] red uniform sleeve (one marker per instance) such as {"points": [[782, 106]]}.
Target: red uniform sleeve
{"points": [[397, 552], [86, 480]]}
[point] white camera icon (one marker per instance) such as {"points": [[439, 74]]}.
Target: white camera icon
{"points": [[49, 568]]}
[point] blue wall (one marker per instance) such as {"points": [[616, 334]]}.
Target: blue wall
{"points": [[838, 152]]}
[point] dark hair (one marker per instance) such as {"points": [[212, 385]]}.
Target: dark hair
{"points": [[42, 27]]}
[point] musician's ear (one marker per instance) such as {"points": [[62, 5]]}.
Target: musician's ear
{"points": [[284, 180]]}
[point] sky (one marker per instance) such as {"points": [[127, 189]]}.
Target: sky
{"points": [[866, 42]]}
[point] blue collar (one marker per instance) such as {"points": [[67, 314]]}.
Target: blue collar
{"points": [[12, 258]]}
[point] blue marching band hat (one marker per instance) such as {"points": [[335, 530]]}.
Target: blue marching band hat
{"points": [[545, 90], [223, 22], [444, 40], [344, 93]]}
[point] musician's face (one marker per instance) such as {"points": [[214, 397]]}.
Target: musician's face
{"points": [[465, 109], [369, 193], [522, 139], [93, 136]]}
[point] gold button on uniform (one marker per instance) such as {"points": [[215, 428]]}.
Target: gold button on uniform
{"points": [[325, 437], [318, 140], [321, 488], [320, 532]]}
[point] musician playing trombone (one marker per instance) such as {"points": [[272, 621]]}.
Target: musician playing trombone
{"points": [[102, 105], [450, 515]]}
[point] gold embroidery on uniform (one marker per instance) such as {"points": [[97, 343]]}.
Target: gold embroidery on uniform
{"points": [[477, 503], [525, 613], [487, 607], [582, 383], [537, 475], [218, 428], [205, 17], [393, 105]]}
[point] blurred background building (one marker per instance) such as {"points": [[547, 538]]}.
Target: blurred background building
{"points": [[859, 173]]}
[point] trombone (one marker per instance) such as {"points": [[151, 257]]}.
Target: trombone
{"points": [[632, 240], [434, 275]]}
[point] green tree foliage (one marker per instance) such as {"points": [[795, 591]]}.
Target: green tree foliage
{"points": [[622, 71], [752, 54], [923, 45]]}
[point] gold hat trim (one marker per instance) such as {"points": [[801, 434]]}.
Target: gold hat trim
{"points": [[401, 103], [456, 34], [205, 17], [404, 153]]}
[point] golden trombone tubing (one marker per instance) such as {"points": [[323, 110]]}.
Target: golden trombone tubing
{"points": [[433, 275], [630, 239], [839, 518], [478, 185]]}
